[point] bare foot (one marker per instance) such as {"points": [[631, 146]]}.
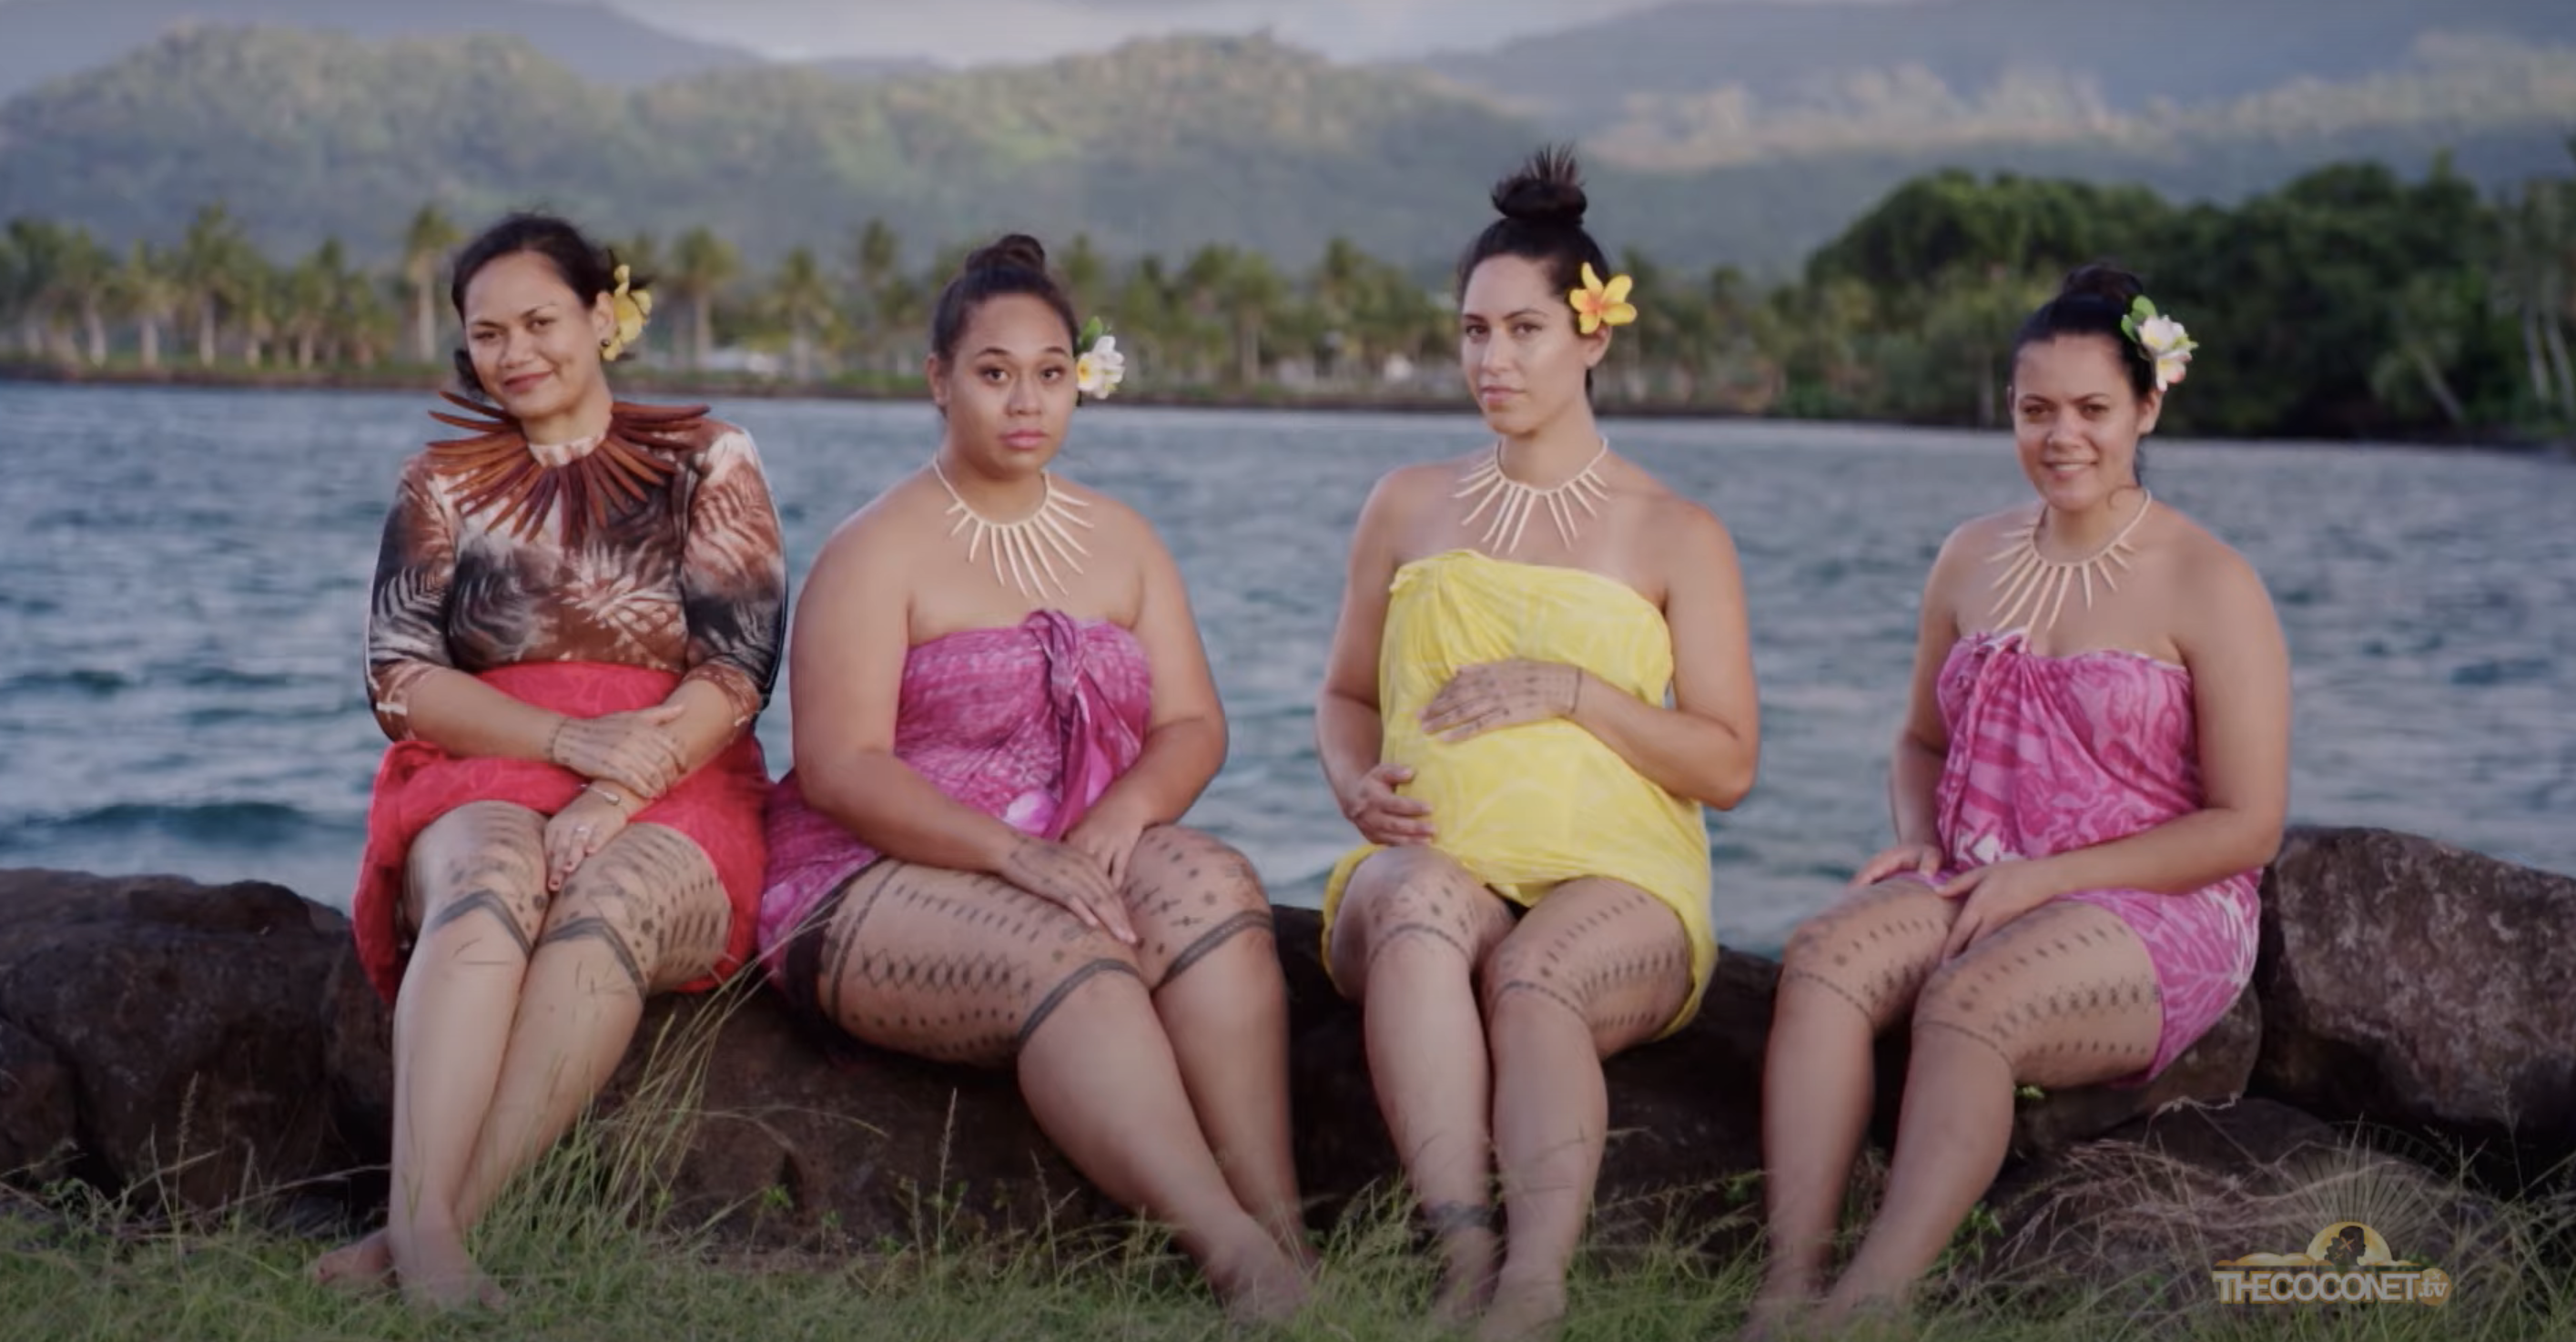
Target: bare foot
{"points": [[1524, 1311], [1260, 1284], [443, 1277], [1859, 1315], [367, 1265], [1470, 1252], [1289, 1234], [1775, 1315]]}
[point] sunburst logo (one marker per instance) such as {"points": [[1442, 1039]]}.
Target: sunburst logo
{"points": [[2347, 1262]]}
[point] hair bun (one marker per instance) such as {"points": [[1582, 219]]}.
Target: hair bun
{"points": [[1014, 251], [1547, 190], [2104, 281]]}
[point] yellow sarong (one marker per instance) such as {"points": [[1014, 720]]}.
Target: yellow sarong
{"points": [[1526, 808]]}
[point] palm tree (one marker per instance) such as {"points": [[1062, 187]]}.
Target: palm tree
{"points": [[216, 271], [2431, 316], [258, 297], [148, 296], [1254, 298], [1339, 286], [35, 252], [1144, 312], [1083, 269], [800, 299], [876, 262], [314, 299], [85, 283], [425, 245], [1205, 313], [12, 277], [705, 264]]}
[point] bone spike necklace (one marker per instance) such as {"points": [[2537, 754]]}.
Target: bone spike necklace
{"points": [[1025, 552], [2033, 586], [1513, 502]]}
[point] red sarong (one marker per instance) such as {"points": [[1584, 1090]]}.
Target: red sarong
{"points": [[718, 807]]}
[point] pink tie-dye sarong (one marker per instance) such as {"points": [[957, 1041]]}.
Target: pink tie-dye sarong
{"points": [[2049, 754], [1029, 724]]}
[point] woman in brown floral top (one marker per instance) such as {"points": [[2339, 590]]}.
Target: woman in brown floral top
{"points": [[576, 618]]}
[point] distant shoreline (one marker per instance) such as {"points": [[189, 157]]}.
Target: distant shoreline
{"points": [[681, 383]]}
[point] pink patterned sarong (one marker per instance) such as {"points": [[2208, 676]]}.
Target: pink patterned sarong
{"points": [[1028, 724], [2050, 754]]}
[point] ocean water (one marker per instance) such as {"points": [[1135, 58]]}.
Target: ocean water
{"points": [[183, 580]]}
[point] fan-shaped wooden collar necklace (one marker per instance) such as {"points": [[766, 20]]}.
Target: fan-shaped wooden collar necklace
{"points": [[497, 469]]}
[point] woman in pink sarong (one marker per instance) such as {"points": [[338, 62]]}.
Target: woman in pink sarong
{"points": [[2092, 772], [1001, 709]]}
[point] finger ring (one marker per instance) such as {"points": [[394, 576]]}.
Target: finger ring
{"points": [[582, 830]]}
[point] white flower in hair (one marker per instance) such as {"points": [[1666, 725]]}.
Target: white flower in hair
{"points": [[1099, 369], [2163, 338]]}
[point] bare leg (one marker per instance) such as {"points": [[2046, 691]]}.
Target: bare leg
{"points": [[476, 890], [1412, 927], [1848, 973], [966, 968], [1208, 952], [1597, 967], [2062, 996], [644, 915]]}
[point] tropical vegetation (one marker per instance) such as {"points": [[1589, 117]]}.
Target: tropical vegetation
{"points": [[2351, 302]]}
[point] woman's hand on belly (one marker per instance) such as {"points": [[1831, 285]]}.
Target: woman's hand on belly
{"points": [[1384, 816], [1493, 695]]}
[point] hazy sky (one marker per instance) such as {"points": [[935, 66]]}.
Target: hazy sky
{"points": [[963, 32]]}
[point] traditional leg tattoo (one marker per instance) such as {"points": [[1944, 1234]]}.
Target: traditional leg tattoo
{"points": [[1190, 894], [489, 855], [601, 930], [1622, 965], [2065, 995], [1449, 1218], [484, 901], [952, 966], [1874, 950], [653, 899], [1402, 894], [1246, 921], [1046, 1006]]}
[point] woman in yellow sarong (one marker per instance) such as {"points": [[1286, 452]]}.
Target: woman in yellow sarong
{"points": [[1539, 677]]}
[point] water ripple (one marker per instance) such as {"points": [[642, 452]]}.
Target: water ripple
{"points": [[183, 577]]}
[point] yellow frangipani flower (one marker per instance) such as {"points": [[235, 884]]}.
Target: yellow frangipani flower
{"points": [[630, 309], [1597, 305]]}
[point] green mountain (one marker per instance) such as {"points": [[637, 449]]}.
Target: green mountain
{"points": [[48, 39], [1687, 84], [1155, 147]]}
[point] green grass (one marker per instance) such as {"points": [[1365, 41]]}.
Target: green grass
{"points": [[590, 1248]]}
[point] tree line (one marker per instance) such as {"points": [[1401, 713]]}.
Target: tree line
{"points": [[2348, 303]]}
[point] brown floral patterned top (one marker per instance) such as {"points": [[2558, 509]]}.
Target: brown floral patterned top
{"points": [[684, 574]]}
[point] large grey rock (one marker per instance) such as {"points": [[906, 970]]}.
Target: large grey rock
{"points": [[232, 1024], [39, 1124], [188, 1022], [2410, 984]]}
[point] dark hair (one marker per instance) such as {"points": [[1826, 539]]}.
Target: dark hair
{"points": [[1012, 264], [2092, 302], [1542, 204], [585, 267]]}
